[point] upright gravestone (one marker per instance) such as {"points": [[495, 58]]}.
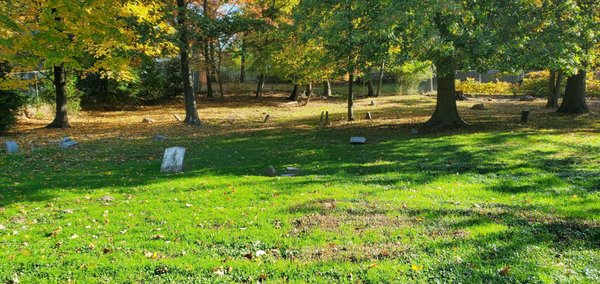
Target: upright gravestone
{"points": [[12, 147], [173, 160], [67, 143]]}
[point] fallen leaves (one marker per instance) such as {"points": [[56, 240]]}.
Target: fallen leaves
{"points": [[417, 268], [505, 271]]}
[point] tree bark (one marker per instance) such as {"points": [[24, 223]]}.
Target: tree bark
{"points": [[380, 79], [261, 84], [327, 89], [574, 100], [207, 56], [370, 88], [309, 92], [61, 119], [209, 89], [554, 83], [294, 96], [243, 63], [351, 97], [191, 113], [446, 113]]}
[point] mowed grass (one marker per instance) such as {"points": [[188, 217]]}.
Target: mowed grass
{"points": [[495, 202]]}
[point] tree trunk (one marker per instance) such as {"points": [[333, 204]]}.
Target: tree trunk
{"points": [[243, 64], [371, 91], [294, 96], [380, 81], [208, 56], [309, 92], [574, 100], [351, 97], [61, 119], [552, 101], [446, 113], [209, 89], [327, 89], [218, 73], [261, 84], [191, 114]]}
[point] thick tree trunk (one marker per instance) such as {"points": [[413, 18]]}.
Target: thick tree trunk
{"points": [[243, 63], [261, 84], [327, 89], [351, 97], [574, 100], [191, 113], [554, 83], [61, 119], [380, 79], [446, 113], [294, 96]]}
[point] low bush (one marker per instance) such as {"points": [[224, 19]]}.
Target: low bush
{"points": [[10, 102], [470, 86]]}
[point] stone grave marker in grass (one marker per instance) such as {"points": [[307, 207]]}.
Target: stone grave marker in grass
{"points": [[173, 160], [67, 143], [358, 140], [11, 147]]}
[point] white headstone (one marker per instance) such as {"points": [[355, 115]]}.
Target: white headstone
{"points": [[358, 140], [173, 160], [12, 147], [67, 143]]}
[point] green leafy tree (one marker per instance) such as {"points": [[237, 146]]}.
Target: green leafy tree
{"points": [[65, 36]]}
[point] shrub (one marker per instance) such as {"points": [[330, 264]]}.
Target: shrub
{"points": [[470, 86], [10, 105], [593, 86], [10, 102], [410, 75]]}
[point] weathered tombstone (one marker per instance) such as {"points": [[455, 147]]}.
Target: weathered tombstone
{"points": [[525, 116], [479, 107], [67, 143], [527, 98], [160, 138], [358, 140], [267, 118], [322, 120], [369, 116], [270, 171], [460, 96], [178, 117], [173, 160], [327, 118], [11, 147], [372, 103], [148, 120]]}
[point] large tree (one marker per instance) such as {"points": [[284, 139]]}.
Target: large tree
{"points": [[191, 113], [456, 35], [58, 38], [356, 34]]}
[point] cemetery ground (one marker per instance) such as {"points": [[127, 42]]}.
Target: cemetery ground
{"points": [[494, 202]]}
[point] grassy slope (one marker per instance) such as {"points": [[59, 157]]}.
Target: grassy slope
{"points": [[497, 202]]}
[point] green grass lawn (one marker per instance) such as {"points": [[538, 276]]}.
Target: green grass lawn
{"points": [[500, 203]]}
